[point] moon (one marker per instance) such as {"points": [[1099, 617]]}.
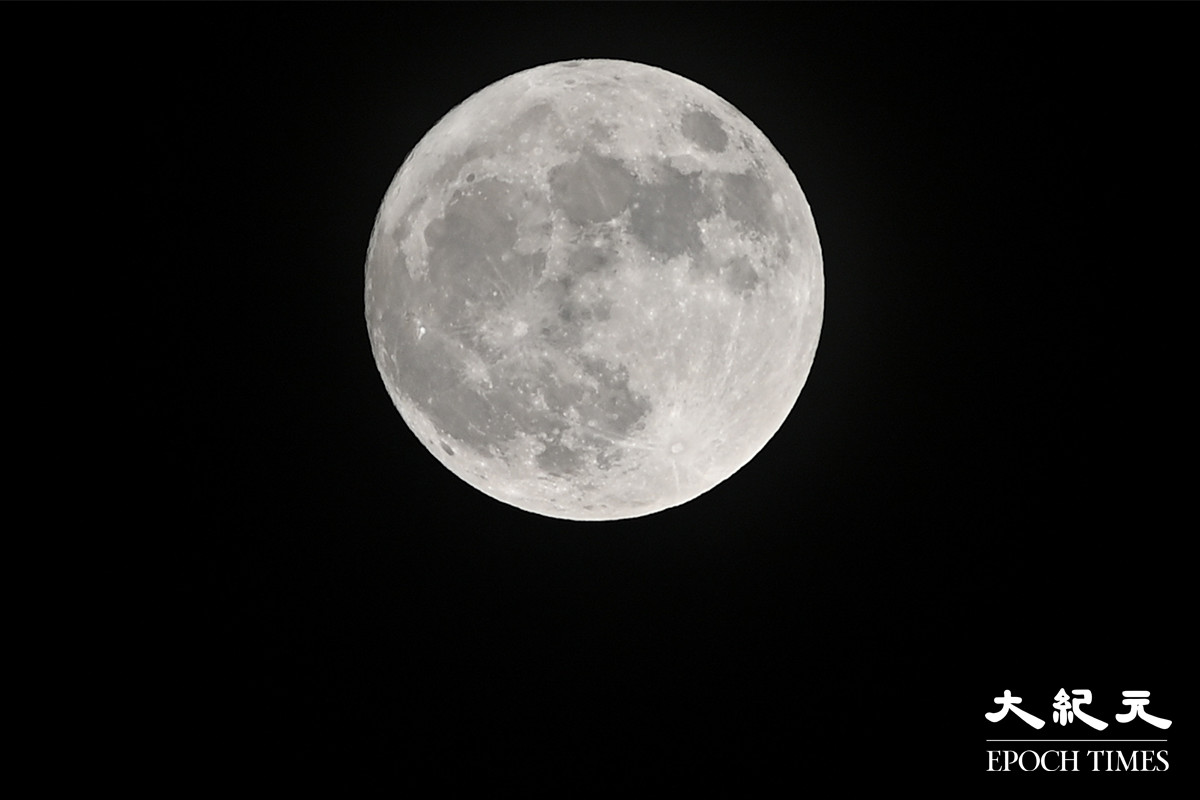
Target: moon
{"points": [[594, 290]]}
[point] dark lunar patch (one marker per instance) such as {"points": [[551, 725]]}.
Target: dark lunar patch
{"points": [[613, 407], [450, 168], [598, 310], [560, 334], [572, 310], [467, 262], [556, 327], [592, 189], [591, 259], [577, 313], [607, 457], [482, 418], [529, 120], [740, 276], [558, 459], [703, 128], [558, 394], [599, 132], [429, 370], [747, 199], [606, 406], [665, 213], [471, 252], [737, 274]]}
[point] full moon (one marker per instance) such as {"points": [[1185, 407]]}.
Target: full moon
{"points": [[594, 290]]}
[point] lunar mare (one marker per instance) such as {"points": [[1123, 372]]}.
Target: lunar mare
{"points": [[594, 290]]}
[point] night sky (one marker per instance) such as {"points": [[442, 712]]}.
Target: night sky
{"points": [[974, 492]]}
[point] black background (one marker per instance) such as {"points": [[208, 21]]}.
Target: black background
{"points": [[977, 489]]}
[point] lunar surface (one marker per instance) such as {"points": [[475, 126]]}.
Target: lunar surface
{"points": [[594, 290]]}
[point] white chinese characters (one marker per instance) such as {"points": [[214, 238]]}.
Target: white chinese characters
{"points": [[1137, 708], [1067, 709], [1009, 703]]}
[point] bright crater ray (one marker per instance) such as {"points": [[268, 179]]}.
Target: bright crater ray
{"points": [[594, 290]]}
